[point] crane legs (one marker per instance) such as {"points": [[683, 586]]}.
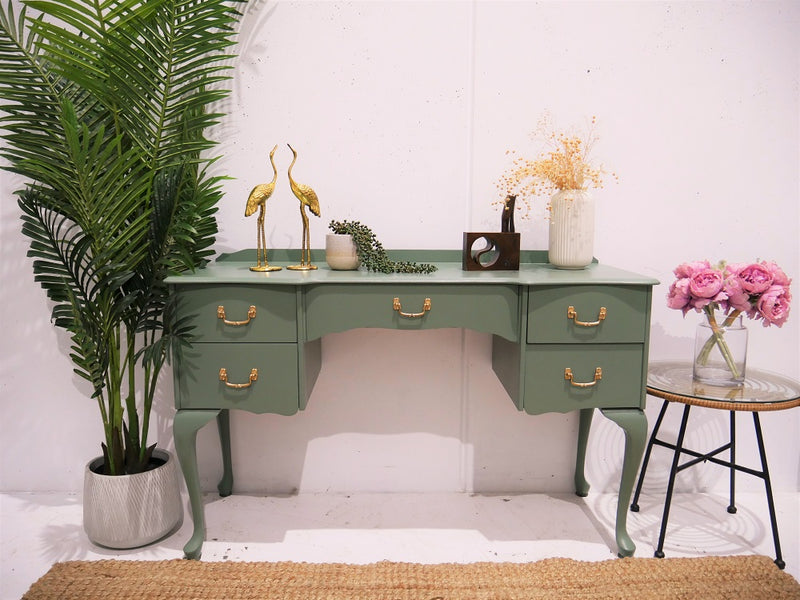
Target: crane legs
{"points": [[261, 249], [305, 253]]}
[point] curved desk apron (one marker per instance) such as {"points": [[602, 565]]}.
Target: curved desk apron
{"points": [[561, 341], [762, 391]]}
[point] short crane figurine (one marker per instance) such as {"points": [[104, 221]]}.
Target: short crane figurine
{"points": [[308, 198], [258, 200]]}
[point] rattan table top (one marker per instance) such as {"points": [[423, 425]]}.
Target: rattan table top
{"points": [[762, 390]]}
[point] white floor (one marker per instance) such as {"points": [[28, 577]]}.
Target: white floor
{"points": [[37, 530]]}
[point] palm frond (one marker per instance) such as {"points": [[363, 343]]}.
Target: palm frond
{"points": [[105, 107]]}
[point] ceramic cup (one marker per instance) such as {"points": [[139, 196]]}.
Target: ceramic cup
{"points": [[340, 252]]}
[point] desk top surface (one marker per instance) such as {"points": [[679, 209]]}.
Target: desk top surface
{"points": [[534, 270], [762, 390]]}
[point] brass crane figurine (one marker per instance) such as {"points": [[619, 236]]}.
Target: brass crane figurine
{"points": [[258, 200], [307, 197]]}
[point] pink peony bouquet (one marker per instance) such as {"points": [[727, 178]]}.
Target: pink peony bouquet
{"points": [[758, 290]]}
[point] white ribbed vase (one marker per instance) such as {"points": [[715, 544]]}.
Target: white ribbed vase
{"points": [[128, 511], [571, 244]]}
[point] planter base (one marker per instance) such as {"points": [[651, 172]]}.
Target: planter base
{"points": [[129, 511]]}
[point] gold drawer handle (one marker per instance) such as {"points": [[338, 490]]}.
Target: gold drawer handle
{"points": [[223, 377], [598, 375], [251, 314], [573, 314], [426, 306]]}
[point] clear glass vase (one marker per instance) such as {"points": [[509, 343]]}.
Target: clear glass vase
{"points": [[720, 352]]}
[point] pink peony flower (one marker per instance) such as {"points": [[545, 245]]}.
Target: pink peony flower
{"points": [[738, 299], [705, 286], [755, 278], [774, 304], [778, 276], [688, 269], [678, 296]]}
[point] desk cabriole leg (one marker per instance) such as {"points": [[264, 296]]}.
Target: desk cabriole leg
{"points": [[225, 486], [581, 485], [185, 427], [634, 423]]}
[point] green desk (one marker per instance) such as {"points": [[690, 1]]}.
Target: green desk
{"points": [[561, 341]]}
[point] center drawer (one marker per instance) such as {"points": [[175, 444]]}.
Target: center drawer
{"points": [[587, 313], [488, 308]]}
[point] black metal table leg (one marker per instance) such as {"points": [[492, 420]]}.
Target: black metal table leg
{"points": [[732, 505], [768, 484], [656, 427], [659, 553]]}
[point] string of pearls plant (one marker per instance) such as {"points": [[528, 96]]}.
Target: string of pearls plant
{"points": [[371, 253]]}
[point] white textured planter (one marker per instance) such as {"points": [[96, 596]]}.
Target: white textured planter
{"points": [[571, 244], [340, 252], [128, 511]]}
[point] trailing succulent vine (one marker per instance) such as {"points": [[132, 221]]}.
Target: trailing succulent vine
{"points": [[371, 253]]}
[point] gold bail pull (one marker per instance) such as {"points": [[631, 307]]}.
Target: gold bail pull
{"points": [[426, 306], [598, 375], [573, 314], [223, 377], [251, 314]]}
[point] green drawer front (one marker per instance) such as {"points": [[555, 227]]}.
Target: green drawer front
{"points": [[547, 390], [487, 308], [625, 318], [275, 390], [275, 317]]}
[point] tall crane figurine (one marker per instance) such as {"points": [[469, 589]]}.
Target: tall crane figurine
{"points": [[308, 198], [258, 200]]}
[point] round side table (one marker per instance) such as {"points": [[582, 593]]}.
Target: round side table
{"points": [[762, 391]]}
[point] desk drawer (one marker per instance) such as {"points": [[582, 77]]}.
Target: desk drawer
{"points": [[551, 322], [275, 390], [487, 308], [273, 319], [547, 389]]}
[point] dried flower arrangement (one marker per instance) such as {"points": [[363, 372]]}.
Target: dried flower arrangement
{"points": [[565, 166]]}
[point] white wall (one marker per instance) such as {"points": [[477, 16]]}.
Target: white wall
{"points": [[402, 113]]}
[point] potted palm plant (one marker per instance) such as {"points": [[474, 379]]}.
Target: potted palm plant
{"points": [[106, 105]]}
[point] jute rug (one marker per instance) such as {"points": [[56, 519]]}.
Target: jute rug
{"points": [[707, 578]]}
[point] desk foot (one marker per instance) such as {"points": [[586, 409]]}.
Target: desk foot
{"points": [[193, 549], [625, 545]]}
